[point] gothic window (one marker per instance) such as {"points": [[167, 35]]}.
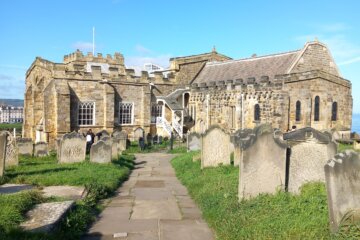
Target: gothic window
{"points": [[86, 113], [156, 111], [317, 109], [334, 111], [257, 112], [126, 113], [298, 111]]}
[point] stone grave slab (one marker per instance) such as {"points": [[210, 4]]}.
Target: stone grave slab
{"points": [[100, 152], [72, 148], [68, 192], [10, 188], [215, 147], [45, 216], [342, 174], [25, 146]]}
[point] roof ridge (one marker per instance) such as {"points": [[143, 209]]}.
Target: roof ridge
{"points": [[253, 58]]}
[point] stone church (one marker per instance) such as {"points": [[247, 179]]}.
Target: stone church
{"points": [[298, 88]]}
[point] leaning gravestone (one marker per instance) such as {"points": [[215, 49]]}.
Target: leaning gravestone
{"points": [[25, 146], [342, 174], [100, 152], [193, 142], [263, 162], [12, 155], [72, 148], [310, 151], [3, 140], [215, 147], [41, 149]]}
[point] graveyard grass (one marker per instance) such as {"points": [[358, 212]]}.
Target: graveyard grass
{"points": [[101, 180], [279, 216]]}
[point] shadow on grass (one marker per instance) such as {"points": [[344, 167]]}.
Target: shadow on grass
{"points": [[28, 173]]}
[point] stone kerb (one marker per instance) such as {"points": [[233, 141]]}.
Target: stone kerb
{"points": [[25, 146], [3, 141], [235, 140], [309, 152], [72, 148], [41, 149], [342, 174], [193, 142], [12, 151], [215, 147], [263, 162], [100, 152]]}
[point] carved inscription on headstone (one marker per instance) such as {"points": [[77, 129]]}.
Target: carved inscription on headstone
{"points": [[72, 148]]}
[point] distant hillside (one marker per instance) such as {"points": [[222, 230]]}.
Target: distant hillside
{"points": [[12, 102]]}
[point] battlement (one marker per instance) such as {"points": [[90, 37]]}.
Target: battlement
{"points": [[118, 58]]}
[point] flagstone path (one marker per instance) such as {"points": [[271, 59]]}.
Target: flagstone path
{"points": [[151, 205]]}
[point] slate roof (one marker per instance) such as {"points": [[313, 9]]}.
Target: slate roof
{"points": [[257, 67], [171, 99]]}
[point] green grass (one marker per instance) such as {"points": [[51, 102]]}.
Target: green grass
{"points": [[101, 180], [342, 147], [11, 126], [279, 216]]}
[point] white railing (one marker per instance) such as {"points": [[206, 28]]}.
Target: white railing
{"points": [[160, 121], [177, 127]]}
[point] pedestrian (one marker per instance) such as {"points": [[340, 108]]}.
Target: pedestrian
{"points": [[90, 136]]}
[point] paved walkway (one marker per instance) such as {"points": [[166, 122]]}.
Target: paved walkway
{"points": [[151, 205]]}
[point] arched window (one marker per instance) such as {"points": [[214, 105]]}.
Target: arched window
{"points": [[334, 111], [257, 112], [317, 109], [298, 111]]}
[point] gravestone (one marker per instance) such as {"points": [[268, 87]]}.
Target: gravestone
{"points": [[3, 140], [215, 147], [12, 152], [193, 142], [115, 151], [342, 174], [138, 133], [356, 145], [235, 137], [122, 136], [100, 152], [263, 162], [41, 149], [25, 146], [103, 133], [309, 152], [72, 148]]}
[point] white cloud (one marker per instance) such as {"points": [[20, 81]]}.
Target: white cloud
{"points": [[83, 46], [350, 61], [12, 66], [11, 87], [142, 50], [334, 27], [161, 60]]}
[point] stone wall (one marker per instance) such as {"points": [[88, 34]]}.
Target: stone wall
{"points": [[342, 185], [215, 147]]}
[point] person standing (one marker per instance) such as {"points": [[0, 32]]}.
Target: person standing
{"points": [[90, 136]]}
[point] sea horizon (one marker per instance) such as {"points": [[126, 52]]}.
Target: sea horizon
{"points": [[356, 123]]}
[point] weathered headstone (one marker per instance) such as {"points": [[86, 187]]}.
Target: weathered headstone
{"points": [[235, 140], [100, 152], [342, 174], [25, 146], [41, 149], [263, 162], [122, 136], [215, 147], [309, 152], [138, 133], [12, 154], [356, 145], [3, 140], [72, 148], [193, 142], [103, 133]]}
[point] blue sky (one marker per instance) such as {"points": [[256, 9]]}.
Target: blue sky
{"points": [[155, 30]]}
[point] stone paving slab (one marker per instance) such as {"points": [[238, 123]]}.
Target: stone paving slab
{"points": [[45, 216], [151, 205], [14, 188]]}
